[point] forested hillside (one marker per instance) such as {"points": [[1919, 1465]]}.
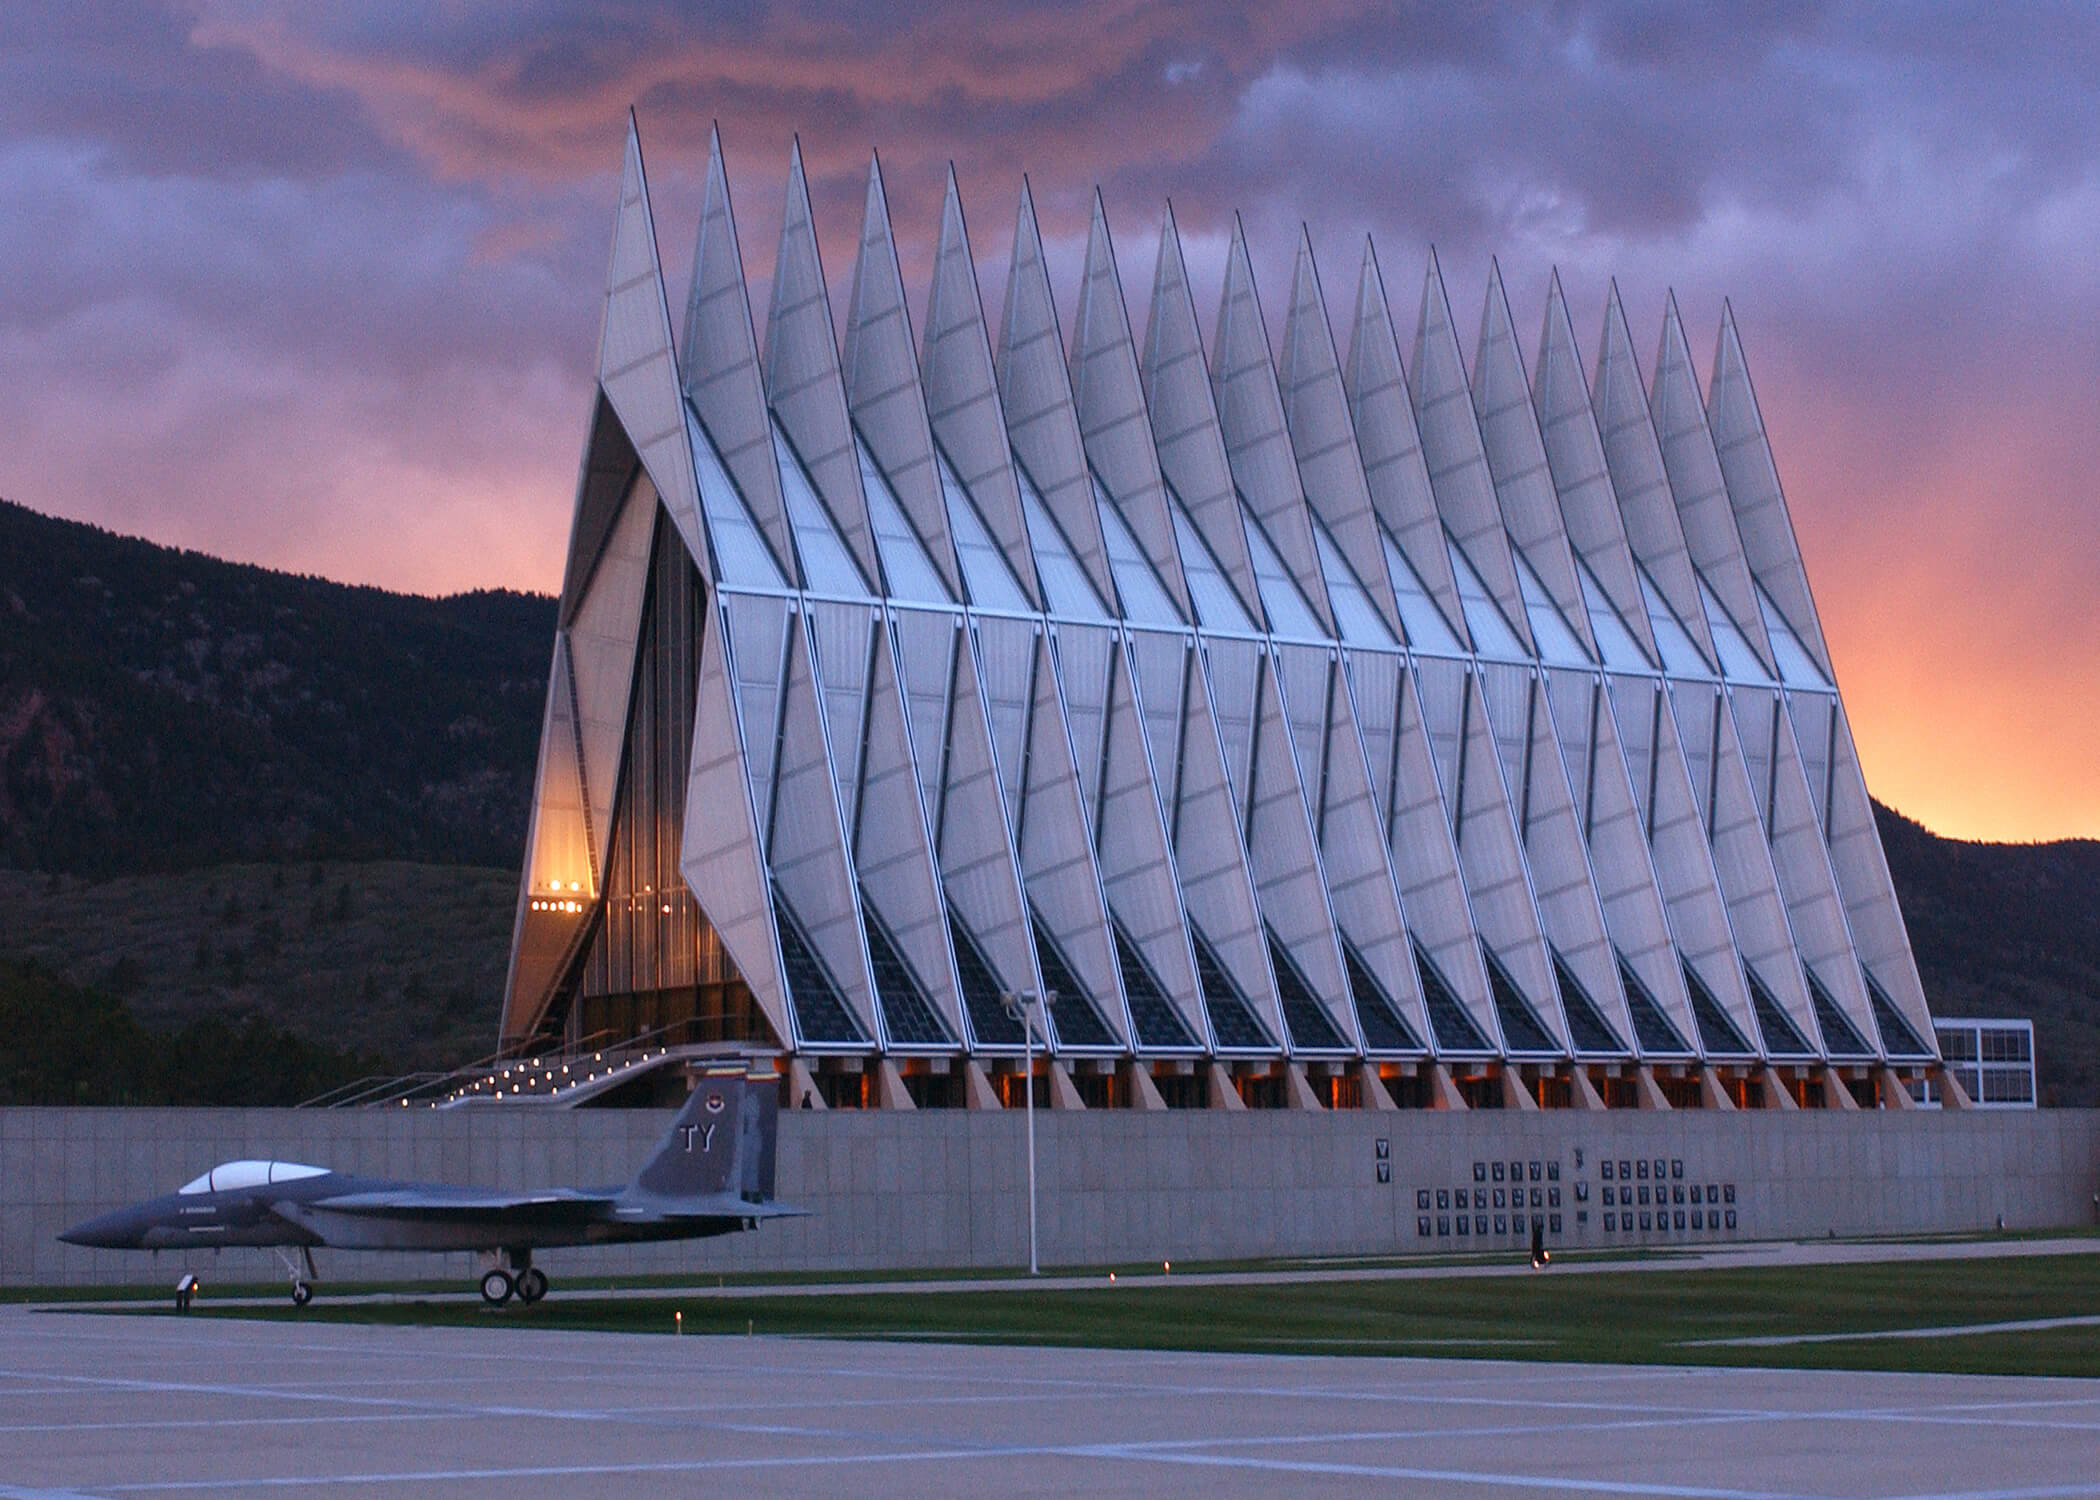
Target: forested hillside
{"points": [[162, 710]]}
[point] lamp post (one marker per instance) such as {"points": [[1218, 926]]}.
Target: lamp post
{"points": [[1022, 1007]]}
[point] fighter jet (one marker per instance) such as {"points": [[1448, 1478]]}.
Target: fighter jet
{"points": [[712, 1173]]}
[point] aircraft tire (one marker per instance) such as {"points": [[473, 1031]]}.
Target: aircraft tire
{"points": [[496, 1288], [532, 1284], [302, 1293]]}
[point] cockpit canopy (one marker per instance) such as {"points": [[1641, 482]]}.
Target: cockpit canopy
{"points": [[228, 1175]]}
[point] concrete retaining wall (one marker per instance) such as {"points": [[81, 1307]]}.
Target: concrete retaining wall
{"points": [[945, 1188]]}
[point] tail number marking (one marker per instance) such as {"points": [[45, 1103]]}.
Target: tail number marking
{"points": [[705, 1134]]}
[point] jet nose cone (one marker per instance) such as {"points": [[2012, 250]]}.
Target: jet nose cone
{"points": [[112, 1231]]}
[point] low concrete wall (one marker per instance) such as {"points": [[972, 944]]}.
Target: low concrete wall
{"points": [[945, 1188]]}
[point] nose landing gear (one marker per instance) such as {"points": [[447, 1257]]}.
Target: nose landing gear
{"points": [[302, 1272]]}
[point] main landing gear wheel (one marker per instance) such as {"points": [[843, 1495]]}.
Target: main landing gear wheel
{"points": [[302, 1293], [496, 1288], [531, 1285]]}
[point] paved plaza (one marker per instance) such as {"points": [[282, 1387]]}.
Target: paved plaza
{"points": [[94, 1405]]}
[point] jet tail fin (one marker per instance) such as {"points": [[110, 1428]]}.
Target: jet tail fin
{"points": [[721, 1142]]}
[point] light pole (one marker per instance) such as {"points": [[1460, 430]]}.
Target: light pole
{"points": [[1022, 1007]]}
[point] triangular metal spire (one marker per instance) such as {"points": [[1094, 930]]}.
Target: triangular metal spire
{"points": [[893, 843], [1419, 825], [1036, 393], [1815, 911], [1516, 455], [1769, 541], [803, 383], [1111, 403], [1391, 446], [1619, 853], [1057, 857], [1638, 476], [718, 364], [806, 842], [1457, 463], [962, 393], [636, 368], [882, 384], [719, 853], [975, 845], [1288, 875], [1696, 483], [1316, 409], [1683, 858], [1185, 420], [1250, 412], [1363, 887], [1589, 507]]}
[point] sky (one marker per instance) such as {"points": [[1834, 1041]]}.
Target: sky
{"points": [[317, 286]]}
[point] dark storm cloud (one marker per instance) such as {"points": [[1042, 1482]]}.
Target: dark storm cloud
{"points": [[316, 284]]}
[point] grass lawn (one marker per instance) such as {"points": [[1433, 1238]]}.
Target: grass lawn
{"points": [[1646, 1317]]}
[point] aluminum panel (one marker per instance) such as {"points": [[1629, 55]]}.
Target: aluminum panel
{"points": [[1815, 912], [841, 639], [962, 393], [1634, 455], [1234, 668], [882, 384], [1425, 857], [1257, 443], [892, 842], [1131, 845], [806, 839], [1084, 656], [803, 383], [1696, 484], [927, 643], [1363, 893], [636, 370], [1684, 862], [1035, 394], [1006, 664], [1391, 445], [1285, 856], [1491, 857], [1055, 842], [1563, 876], [1620, 858], [1516, 455], [1456, 460], [1323, 436], [1589, 506], [1210, 855], [1862, 871], [1113, 423], [719, 853], [718, 365], [1185, 420], [979, 869], [1742, 860], [1770, 546]]}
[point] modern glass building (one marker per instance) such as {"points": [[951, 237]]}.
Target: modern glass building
{"points": [[1305, 724]]}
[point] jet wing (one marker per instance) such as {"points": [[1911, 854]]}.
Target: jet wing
{"points": [[434, 1203]]}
